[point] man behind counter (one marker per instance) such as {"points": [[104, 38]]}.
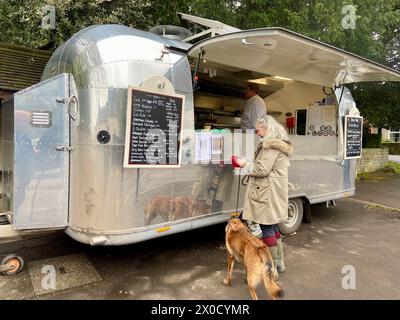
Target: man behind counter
{"points": [[255, 107]]}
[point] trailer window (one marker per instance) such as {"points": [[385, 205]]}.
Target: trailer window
{"points": [[301, 121]]}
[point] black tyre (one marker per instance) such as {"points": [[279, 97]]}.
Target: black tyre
{"points": [[16, 261], [295, 217]]}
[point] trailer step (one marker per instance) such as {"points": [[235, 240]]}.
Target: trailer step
{"points": [[4, 219]]}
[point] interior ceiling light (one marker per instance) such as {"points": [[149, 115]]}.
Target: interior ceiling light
{"points": [[282, 78], [260, 81]]}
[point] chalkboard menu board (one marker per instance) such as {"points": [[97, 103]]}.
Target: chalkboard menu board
{"points": [[353, 136], [154, 123]]}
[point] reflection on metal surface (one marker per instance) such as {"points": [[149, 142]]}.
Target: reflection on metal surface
{"points": [[163, 229], [213, 185], [174, 208]]}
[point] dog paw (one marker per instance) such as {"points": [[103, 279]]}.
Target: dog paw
{"points": [[226, 282]]}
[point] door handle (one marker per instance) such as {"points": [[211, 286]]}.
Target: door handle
{"points": [[64, 148]]}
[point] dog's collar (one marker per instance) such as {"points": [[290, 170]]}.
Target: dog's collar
{"points": [[235, 215]]}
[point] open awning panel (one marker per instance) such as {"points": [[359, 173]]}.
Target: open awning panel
{"points": [[279, 52]]}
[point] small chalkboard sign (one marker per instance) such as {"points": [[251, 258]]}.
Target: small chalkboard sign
{"points": [[353, 137], [154, 124]]}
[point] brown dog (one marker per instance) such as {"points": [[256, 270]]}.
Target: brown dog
{"points": [[174, 208], [254, 254]]}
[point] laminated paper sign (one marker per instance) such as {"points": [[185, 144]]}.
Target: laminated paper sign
{"points": [[202, 146], [208, 146]]}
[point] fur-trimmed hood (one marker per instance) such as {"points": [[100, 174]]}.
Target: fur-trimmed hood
{"points": [[278, 144]]}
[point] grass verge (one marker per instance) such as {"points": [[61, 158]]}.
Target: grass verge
{"points": [[391, 169]]}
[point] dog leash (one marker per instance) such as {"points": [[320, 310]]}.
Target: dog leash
{"points": [[237, 214]]}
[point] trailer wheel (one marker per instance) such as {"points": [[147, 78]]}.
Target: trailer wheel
{"points": [[14, 261], [295, 216]]}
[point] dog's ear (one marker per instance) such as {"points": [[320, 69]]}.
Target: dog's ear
{"points": [[236, 225]]}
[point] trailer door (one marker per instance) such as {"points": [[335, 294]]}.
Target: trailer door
{"points": [[281, 53], [41, 155]]}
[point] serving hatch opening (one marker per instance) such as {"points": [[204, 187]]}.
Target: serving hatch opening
{"points": [[287, 55]]}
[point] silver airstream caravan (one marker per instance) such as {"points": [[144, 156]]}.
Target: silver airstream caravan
{"points": [[64, 140]]}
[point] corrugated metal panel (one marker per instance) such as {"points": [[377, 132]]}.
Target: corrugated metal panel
{"points": [[20, 67]]}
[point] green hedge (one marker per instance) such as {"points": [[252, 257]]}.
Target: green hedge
{"points": [[372, 140], [394, 148]]}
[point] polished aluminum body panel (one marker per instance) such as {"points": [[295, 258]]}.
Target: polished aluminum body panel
{"points": [[104, 60], [36, 173], [107, 203]]}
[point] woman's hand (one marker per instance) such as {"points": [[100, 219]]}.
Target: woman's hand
{"points": [[238, 162], [241, 162]]}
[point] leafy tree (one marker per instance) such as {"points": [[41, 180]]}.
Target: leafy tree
{"points": [[21, 20], [379, 104], [376, 36]]}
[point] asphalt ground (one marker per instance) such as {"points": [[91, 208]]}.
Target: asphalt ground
{"points": [[354, 235]]}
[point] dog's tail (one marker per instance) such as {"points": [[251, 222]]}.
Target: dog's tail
{"points": [[273, 289]]}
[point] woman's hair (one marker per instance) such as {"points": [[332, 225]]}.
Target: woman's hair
{"points": [[274, 129]]}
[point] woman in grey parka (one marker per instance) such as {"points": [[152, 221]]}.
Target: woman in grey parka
{"points": [[266, 200]]}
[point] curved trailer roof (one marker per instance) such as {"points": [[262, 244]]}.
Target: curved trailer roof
{"points": [[284, 53]]}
